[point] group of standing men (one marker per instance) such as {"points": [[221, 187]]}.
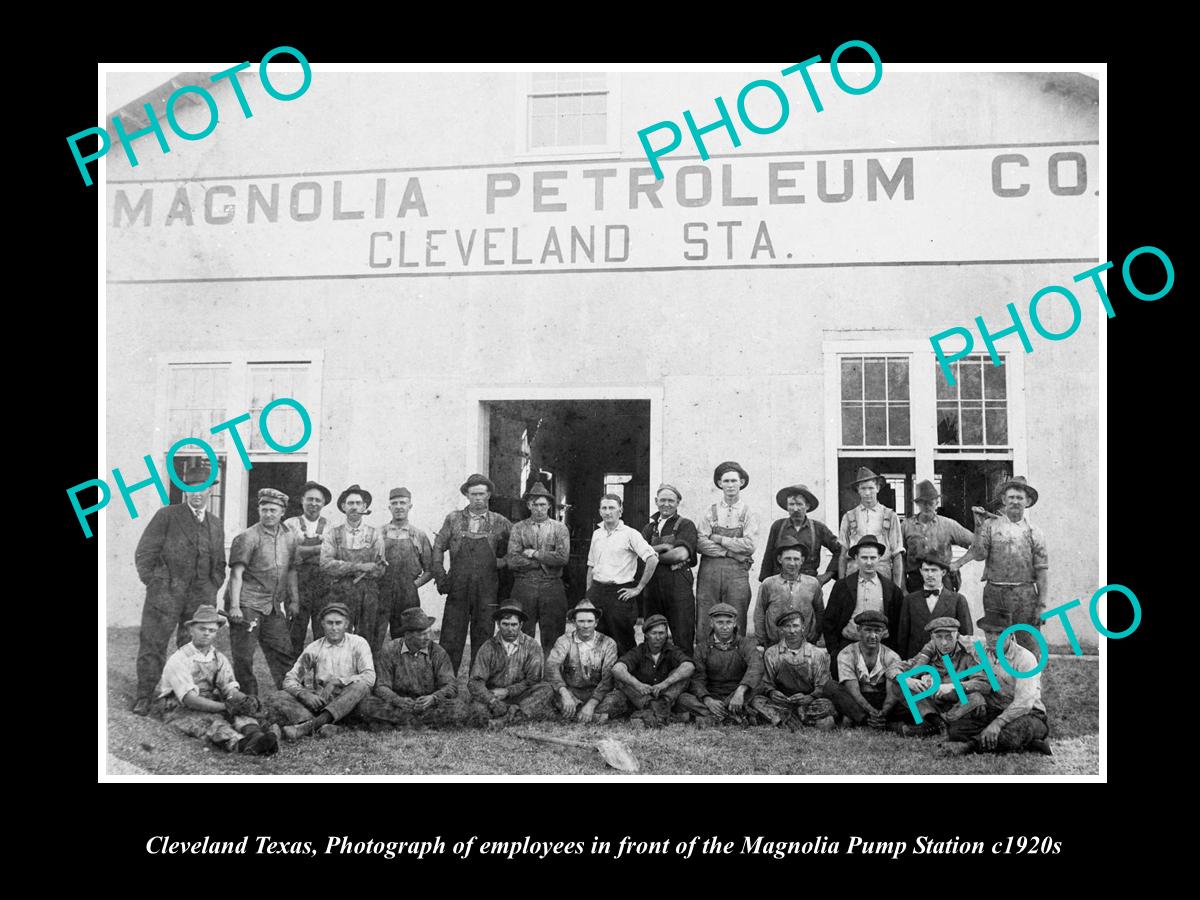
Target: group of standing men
{"points": [[355, 583]]}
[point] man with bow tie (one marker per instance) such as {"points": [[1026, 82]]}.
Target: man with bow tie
{"points": [[180, 557], [933, 601]]}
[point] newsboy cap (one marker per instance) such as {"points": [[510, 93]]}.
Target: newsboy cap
{"points": [[270, 495], [722, 609], [654, 621], [871, 617], [399, 492], [942, 622], [786, 616]]}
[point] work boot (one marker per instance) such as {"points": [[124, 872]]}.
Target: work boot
{"points": [[1042, 746], [141, 706], [327, 731], [825, 723]]}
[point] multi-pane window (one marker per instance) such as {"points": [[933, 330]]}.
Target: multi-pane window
{"points": [[568, 109], [197, 399], [875, 401], [271, 381], [973, 412]]}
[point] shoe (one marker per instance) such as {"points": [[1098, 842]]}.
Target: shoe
{"points": [[825, 723], [141, 706], [295, 732], [1042, 746], [327, 731], [681, 718]]}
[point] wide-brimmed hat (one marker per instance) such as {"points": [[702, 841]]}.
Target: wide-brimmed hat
{"points": [[206, 615], [583, 606], [925, 491], [1017, 482], [994, 620], [722, 609], [509, 609], [944, 622], [864, 474], [475, 480], [414, 619], [654, 621], [336, 607], [730, 466], [270, 495], [871, 617], [791, 542], [309, 485], [867, 540], [539, 490], [353, 489], [936, 557], [781, 497]]}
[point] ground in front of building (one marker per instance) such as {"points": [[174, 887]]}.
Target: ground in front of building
{"points": [[1071, 693]]}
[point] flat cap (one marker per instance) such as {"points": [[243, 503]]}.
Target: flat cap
{"points": [[654, 621], [337, 608], [873, 617], [942, 622], [399, 492], [722, 609], [270, 495], [786, 616]]}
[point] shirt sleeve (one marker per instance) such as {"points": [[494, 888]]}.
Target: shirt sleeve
{"points": [[424, 549], [844, 530], [440, 545], [1025, 690], [517, 561], [293, 681], [699, 685], [830, 542], [364, 664], [593, 552], [224, 679], [821, 669], [760, 615], [554, 662], [1041, 558], [242, 548], [177, 676], [443, 675], [705, 545], [685, 535], [896, 536], [767, 680], [481, 667], [744, 545], [960, 536], [531, 669], [385, 677], [630, 660], [891, 662], [639, 546], [754, 664], [330, 564], [558, 553], [847, 671], [609, 660]]}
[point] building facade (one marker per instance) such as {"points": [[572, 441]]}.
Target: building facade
{"points": [[479, 272]]}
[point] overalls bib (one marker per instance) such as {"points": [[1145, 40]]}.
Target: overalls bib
{"points": [[361, 597], [397, 588], [471, 600]]}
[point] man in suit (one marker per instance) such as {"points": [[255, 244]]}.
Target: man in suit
{"points": [[181, 560], [933, 601], [862, 590]]}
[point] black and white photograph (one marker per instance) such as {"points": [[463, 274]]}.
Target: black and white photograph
{"points": [[605, 422]]}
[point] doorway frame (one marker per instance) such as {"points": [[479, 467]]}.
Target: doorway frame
{"points": [[478, 415]]}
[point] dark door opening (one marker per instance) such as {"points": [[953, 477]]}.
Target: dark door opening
{"points": [[572, 447], [288, 477]]}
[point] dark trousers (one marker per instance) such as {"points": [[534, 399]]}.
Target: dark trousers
{"points": [[362, 599], [854, 713], [269, 631], [1022, 603], [914, 582], [669, 593], [544, 599], [164, 613], [617, 616], [1014, 736], [313, 588]]}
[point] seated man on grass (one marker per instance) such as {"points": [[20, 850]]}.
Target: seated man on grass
{"points": [[506, 675], [943, 706], [329, 680], [579, 669], [415, 683], [1012, 719], [728, 671], [198, 695], [652, 675], [796, 688], [867, 671]]}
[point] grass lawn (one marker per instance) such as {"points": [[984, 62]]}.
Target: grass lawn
{"points": [[1070, 691]]}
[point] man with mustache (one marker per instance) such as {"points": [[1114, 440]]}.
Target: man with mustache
{"points": [[352, 558]]}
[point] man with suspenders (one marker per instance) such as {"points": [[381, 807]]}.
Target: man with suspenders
{"points": [[726, 536], [871, 517], [310, 527]]}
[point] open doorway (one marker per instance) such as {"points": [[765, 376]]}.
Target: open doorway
{"points": [[577, 449]]}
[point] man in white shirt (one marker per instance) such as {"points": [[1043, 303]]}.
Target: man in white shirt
{"points": [[612, 563], [313, 585], [726, 536], [871, 517]]}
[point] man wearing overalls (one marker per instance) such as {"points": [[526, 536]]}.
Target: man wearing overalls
{"points": [[352, 558], [409, 557], [873, 518], [538, 549], [725, 540], [478, 542], [310, 528]]}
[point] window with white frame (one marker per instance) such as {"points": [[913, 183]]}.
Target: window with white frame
{"points": [[568, 113], [197, 394], [898, 415]]}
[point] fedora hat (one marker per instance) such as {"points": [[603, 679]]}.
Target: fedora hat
{"points": [[509, 609], [1017, 482], [583, 606], [935, 557], [474, 480], [539, 490], [864, 474], [206, 615], [730, 466], [868, 540], [994, 620], [353, 489], [781, 498], [414, 619], [312, 485], [197, 475], [925, 491]]}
